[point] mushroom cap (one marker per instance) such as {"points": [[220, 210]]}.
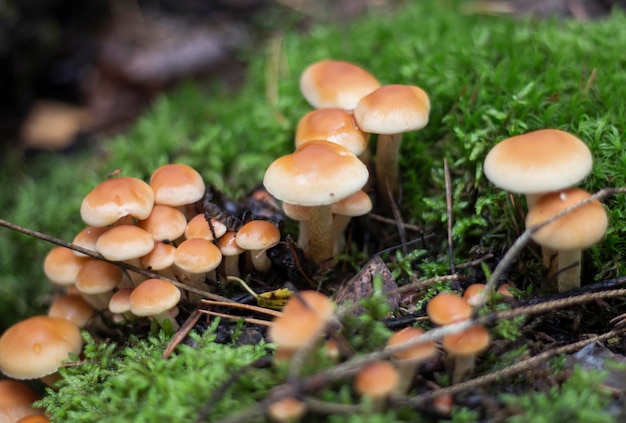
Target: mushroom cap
{"points": [[296, 211], [98, 277], [377, 379], [198, 227], [335, 125], [153, 296], [356, 204], [317, 173], [37, 346], [579, 229], [115, 198], [468, 342], [473, 293], [288, 409], [177, 185], [197, 255], [445, 308], [257, 235], [538, 161], [393, 109], [73, 308], [303, 316], [335, 83], [124, 242], [61, 265], [120, 301], [165, 223], [88, 237], [16, 400], [161, 257], [416, 353], [228, 244]]}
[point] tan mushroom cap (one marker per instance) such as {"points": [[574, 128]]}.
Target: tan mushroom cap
{"points": [[377, 379], [354, 205], [257, 235], [577, 230], [288, 409], [335, 83], [165, 223], [468, 342], [198, 227], [416, 353], [61, 265], [88, 237], [124, 242], [34, 418], [177, 185], [16, 400], [97, 277], [37, 346], [197, 255], [335, 125], [116, 198], [393, 109], [473, 293], [303, 316], [72, 307], [317, 173], [120, 301], [161, 257], [228, 244], [445, 308], [538, 161], [153, 296]]}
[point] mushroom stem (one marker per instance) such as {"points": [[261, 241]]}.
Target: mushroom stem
{"points": [[387, 172], [260, 261], [568, 276], [463, 366], [321, 240]]}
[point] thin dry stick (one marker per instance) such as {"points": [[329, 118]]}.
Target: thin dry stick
{"points": [[99, 256], [446, 172], [525, 237], [250, 307], [234, 317]]}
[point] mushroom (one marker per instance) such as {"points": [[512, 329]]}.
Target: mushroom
{"points": [[304, 317], [160, 260], [16, 400], [538, 162], [464, 346], [199, 227], [286, 410], [317, 174], [73, 308], [119, 305], [335, 83], [257, 236], [445, 308], [177, 185], [390, 111], [96, 281], [61, 265], [407, 360], [165, 223], [230, 253], [335, 125], [116, 198], [569, 234], [36, 347], [155, 298], [377, 381], [195, 259], [357, 204]]}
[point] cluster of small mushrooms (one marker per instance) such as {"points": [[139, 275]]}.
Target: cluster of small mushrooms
{"points": [[160, 226]]}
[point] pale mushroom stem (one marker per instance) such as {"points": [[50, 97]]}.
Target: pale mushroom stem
{"points": [[164, 316], [340, 224], [304, 235], [321, 240], [463, 366], [550, 259], [568, 276], [387, 171], [260, 261]]}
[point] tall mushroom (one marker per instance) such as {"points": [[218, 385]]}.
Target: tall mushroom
{"points": [[317, 174], [390, 111], [569, 234]]}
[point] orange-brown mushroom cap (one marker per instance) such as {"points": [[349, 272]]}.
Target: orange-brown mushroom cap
{"points": [[37, 346], [445, 308]]}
